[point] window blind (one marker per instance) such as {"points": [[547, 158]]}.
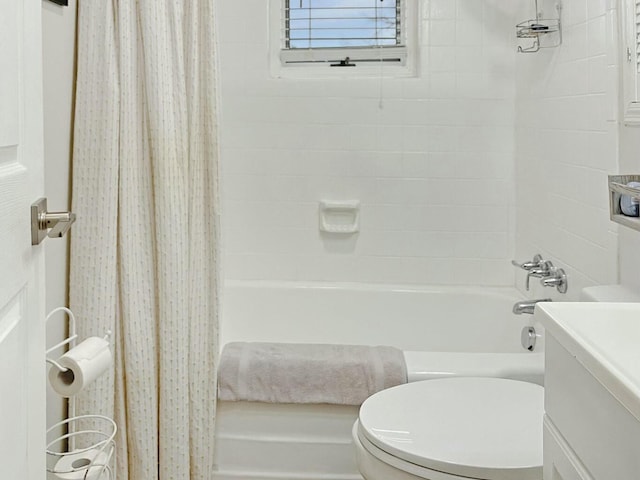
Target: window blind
{"points": [[637, 19], [311, 24]]}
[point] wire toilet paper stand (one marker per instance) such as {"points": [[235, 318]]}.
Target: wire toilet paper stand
{"points": [[96, 433]]}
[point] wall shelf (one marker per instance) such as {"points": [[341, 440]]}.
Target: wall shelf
{"points": [[617, 188], [537, 28]]}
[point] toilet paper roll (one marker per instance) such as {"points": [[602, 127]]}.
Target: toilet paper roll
{"points": [[85, 363], [628, 205], [81, 466]]}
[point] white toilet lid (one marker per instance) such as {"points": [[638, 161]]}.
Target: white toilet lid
{"points": [[484, 428]]}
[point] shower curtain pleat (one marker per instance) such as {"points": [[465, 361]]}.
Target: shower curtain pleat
{"points": [[143, 258]]}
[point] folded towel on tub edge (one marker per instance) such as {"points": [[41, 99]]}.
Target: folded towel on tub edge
{"points": [[307, 373]]}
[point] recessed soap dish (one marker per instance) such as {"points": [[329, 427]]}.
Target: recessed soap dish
{"points": [[617, 188], [339, 216]]}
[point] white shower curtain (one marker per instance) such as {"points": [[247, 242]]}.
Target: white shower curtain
{"points": [[143, 251]]}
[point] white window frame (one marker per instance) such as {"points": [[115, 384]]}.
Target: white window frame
{"points": [[630, 62], [316, 62]]}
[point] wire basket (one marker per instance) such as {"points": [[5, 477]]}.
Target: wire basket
{"points": [[93, 460]]}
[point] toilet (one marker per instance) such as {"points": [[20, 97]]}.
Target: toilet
{"points": [[458, 428]]}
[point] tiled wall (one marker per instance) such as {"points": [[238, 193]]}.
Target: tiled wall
{"points": [[629, 239], [566, 145], [430, 158]]}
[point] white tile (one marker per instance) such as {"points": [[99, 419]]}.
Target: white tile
{"points": [[469, 59], [597, 72], [596, 35], [598, 8], [432, 158], [469, 11], [418, 139], [442, 59], [442, 9], [442, 32], [389, 138], [469, 32], [574, 12]]}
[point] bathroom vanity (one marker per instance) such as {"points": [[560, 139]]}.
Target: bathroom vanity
{"points": [[592, 390]]}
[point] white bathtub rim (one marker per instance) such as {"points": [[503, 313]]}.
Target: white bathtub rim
{"points": [[526, 366], [368, 287]]}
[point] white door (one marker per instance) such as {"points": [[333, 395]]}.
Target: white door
{"points": [[22, 368]]}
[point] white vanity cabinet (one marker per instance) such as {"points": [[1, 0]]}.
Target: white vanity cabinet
{"points": [[592, 391]]}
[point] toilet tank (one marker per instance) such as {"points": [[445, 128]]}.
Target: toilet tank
{"points": [[609, 293]]}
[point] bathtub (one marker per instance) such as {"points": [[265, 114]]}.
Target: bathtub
{"points": [[443, 331]]}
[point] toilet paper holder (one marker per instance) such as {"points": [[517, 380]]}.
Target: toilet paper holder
{"points": [[71, 338], [95, 460]]}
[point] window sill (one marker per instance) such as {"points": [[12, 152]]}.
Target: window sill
{"points": [[312, 64]]}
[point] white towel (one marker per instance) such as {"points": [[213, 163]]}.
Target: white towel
{"points": [[307, 373]]}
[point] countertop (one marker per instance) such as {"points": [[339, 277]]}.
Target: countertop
{"points": [[605, 338]]}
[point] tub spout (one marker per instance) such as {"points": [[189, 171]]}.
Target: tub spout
{"points": [[527, 306]]}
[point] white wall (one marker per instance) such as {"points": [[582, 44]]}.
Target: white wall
{"points": [[433, 167], [630, 239], [629, 164], [58, 32], [566, 145]]}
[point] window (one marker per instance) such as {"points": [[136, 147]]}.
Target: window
{"points": [[631, 65], [342, 23], [343, 33], [636, 18]]}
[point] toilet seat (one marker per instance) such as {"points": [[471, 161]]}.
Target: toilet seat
{"points": [[479, 428]]}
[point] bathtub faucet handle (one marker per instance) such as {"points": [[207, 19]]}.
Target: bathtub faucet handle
{"points": [[531, 264], [544, 270], [556, 278]]}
